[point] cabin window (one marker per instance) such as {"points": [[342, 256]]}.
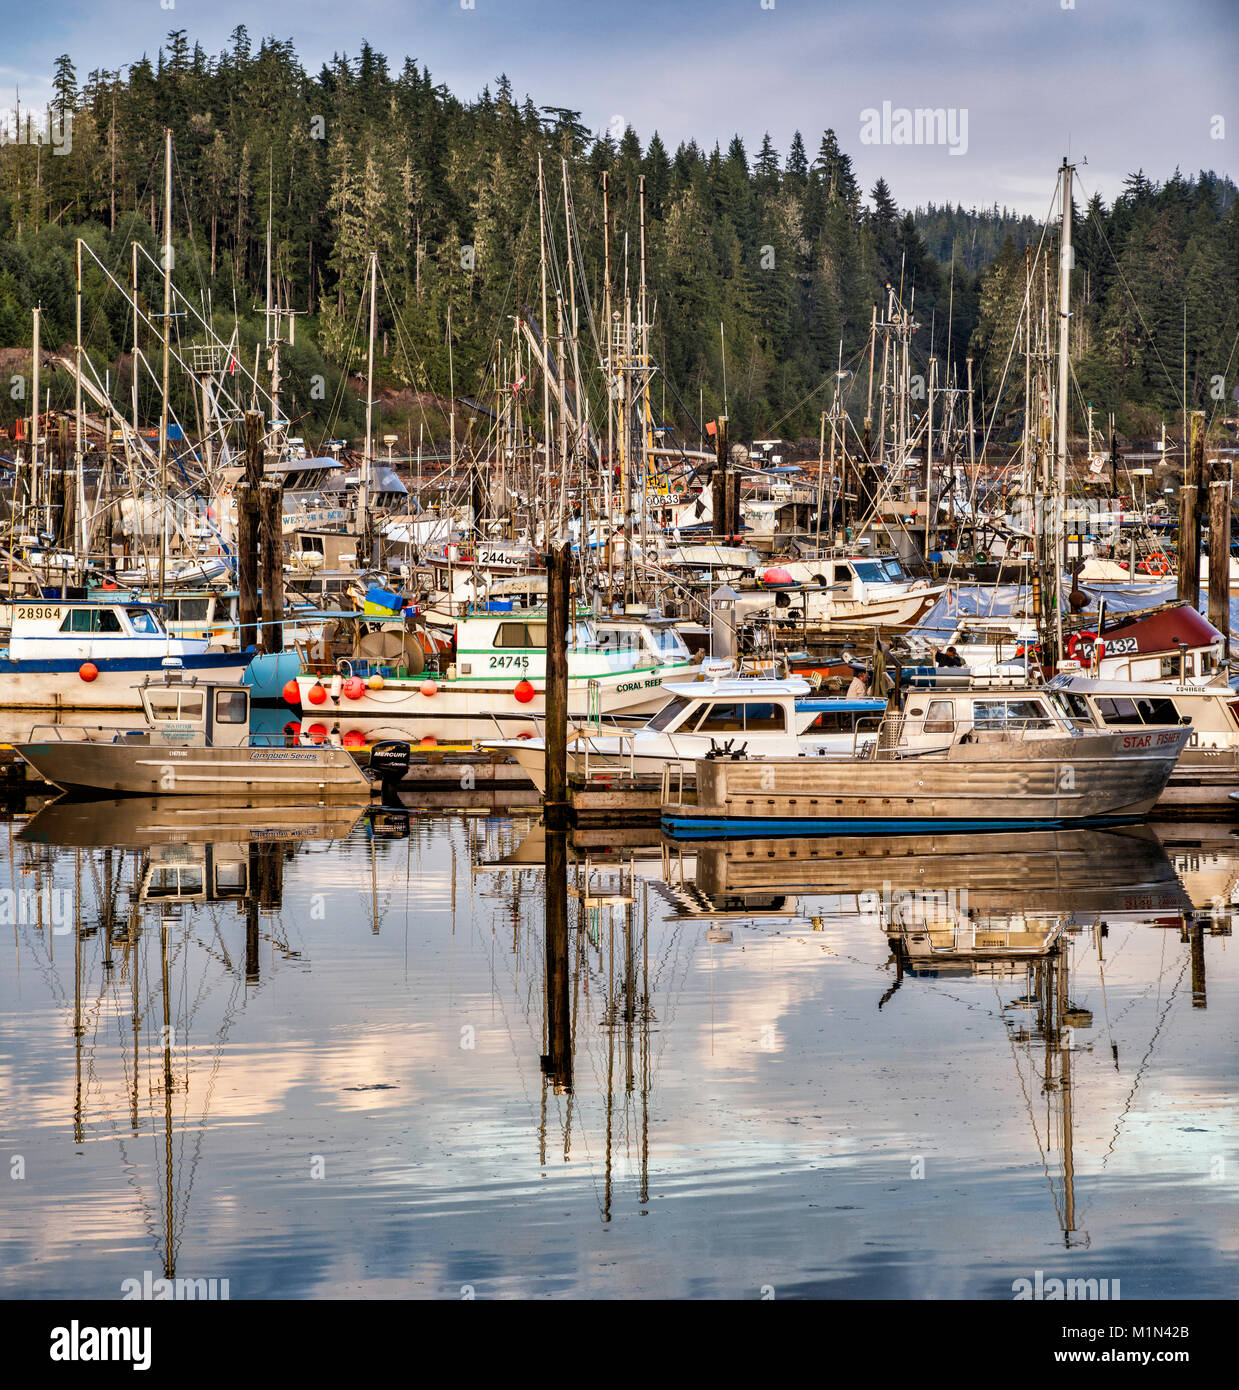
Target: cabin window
{"points": [[764, 718], [231, 707], [870, 571], [940, 717], [91, 620], [1075, 706], [1118, 709], [1170, 668], [164, 704], [176, 704], [1157, 711], [192, 610], [721, 719], [521, 635], [1009, 714], [143, 621], [668, 714]]}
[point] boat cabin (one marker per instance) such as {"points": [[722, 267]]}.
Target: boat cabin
{"points": [[79, 630], [186, 712]]}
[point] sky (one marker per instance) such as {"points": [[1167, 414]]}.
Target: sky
{"points": [[1115, 85]]}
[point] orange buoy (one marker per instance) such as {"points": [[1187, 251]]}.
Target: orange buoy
{"points": [[317, 694], [354, 688], [524, 692], [293, 728], [291, 693], [429, 742], [354, 739], [318, 732], [88, 671], [429, 688], [375, 682]]}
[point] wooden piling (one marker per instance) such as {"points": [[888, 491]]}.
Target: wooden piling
{"points": [[271, 512], [558, 577], [1189, 513], [247, 532], [1219, 552]]}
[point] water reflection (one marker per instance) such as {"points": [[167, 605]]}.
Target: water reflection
{"points": [[594, 1064]]}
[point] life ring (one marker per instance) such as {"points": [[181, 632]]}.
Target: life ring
{"points": [[1156, 565], [1076, 638]]}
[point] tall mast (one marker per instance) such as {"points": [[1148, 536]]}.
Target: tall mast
{"points": [[34, 423], [80, 481], [363, 520], [167, 329], [609, 329], [1064, 366], [546, 358]]}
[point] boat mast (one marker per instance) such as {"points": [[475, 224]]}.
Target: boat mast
{"points": [[1064, 366], [167, 329], [363, 502]]}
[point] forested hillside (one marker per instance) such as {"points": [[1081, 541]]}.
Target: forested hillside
{"points": [[780, 246]]}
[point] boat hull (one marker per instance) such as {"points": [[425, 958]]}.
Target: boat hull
{"points": [[56, 684], [1103, 779], [129, 769]]}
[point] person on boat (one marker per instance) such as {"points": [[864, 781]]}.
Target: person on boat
{"points": [[948, 658], [859, 687]]}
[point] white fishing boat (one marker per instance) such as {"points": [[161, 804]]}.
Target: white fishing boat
{"points": [[765, 717], [849, 589], [197, 742], [91, 654]]}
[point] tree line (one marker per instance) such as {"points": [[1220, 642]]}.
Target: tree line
{"points": [[783, 250]]}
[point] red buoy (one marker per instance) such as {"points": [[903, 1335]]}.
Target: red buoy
{"points": [[318, 732], [88, 671], [524, 692], [429, 688], [429, 742], [317, 693], [293, 728], [777, 575], [291, 693], [354, 687], [354, 739]]}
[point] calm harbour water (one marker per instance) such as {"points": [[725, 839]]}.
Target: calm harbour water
{"points": [[827, 1074]]}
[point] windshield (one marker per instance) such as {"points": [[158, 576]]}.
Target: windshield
{"points": [[144, 621], [870, 570], [668, 642], [669, 713]]}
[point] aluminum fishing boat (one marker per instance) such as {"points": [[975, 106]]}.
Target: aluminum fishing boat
{"points": [[197, 742], [975, 760]]}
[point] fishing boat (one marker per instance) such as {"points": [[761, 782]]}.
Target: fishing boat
{"points": [[1207, 773], [197, 742], [89, 654], [492, 681], [952, 760], [769, 718]]}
